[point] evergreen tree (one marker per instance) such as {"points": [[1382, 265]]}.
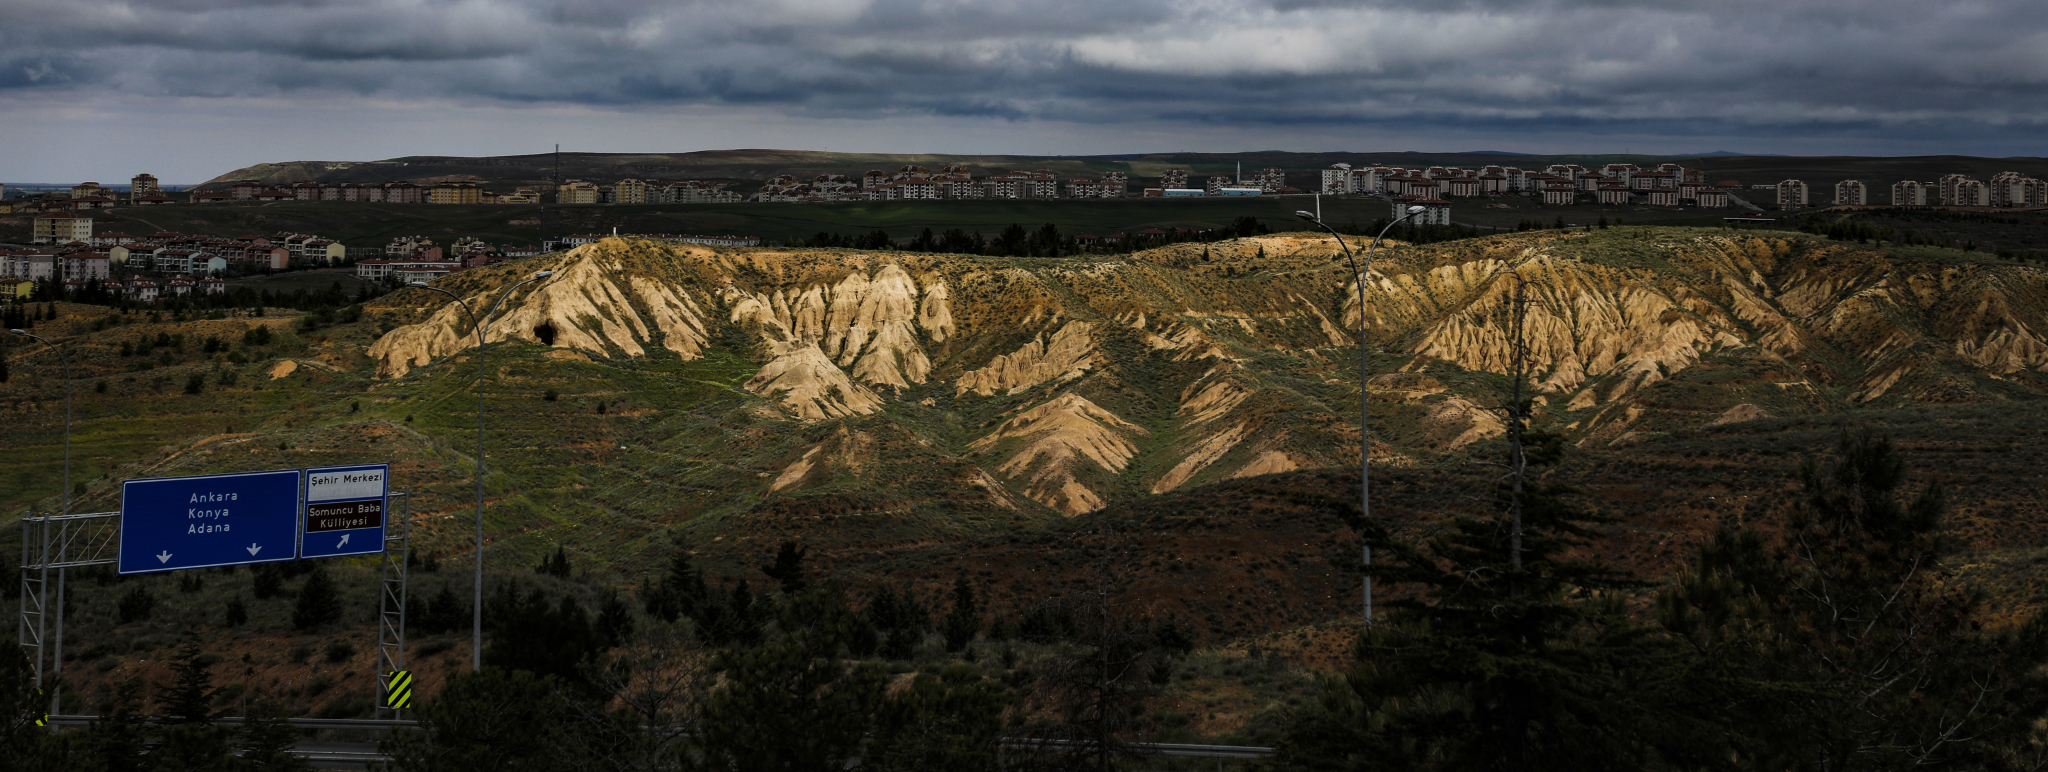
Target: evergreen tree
{"points": [[237, 612], [556, 565], [1507, 659], [680, 591], [964, 621], [900, 621], [788, 568], [614, 621], [136, 605], [188, 698], [319, 602], [118, 740], [267, 740], [791, 704], [1842, 645]]}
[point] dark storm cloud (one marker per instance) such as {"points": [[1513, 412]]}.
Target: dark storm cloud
{"points": [[1957, 71]]}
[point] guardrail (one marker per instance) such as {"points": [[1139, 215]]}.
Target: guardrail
{"points": [[366, 752]]}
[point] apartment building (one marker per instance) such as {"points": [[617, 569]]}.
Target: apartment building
{"points": [[1559, 193], [1711, 198], [1909, 193], [61, 228], [1173, 178], [1337, 180], [1851, 193], [630, 191], [455, 193], [576, 192], [143, 185], [1969, 192], [1615, 194], [1791, 194], [1662, 197], [1435, 211], [2014, 189]]}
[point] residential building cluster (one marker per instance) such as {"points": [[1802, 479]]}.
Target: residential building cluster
{"points": [[918, 183], [145, 267], [631, 191], [571, 242], [418, 258], [1668, 184], [2006, 189]]}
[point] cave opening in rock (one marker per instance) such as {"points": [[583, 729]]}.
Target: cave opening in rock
{"points": [[545, 333]]}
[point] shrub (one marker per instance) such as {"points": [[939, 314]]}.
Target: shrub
{"points": [[319, 602], [195, 384], [340, 651], [237, 613], [135, 606]]}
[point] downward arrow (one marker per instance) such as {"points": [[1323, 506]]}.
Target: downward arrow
{"points": [[344, 542], [253, 548], [164, 558]]}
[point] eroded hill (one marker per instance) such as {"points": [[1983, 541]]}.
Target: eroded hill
{"points": [[1068, 384]]}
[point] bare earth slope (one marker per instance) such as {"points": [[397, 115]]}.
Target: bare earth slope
{"points": [[1072, 383]]}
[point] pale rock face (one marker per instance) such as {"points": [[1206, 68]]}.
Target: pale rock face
{"points": [[808, 384], [1056, 437], [589, 302], [1206, 452], [1269, 462], [1739, 414], [1063, 358]]}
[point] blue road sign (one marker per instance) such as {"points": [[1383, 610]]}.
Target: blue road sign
{"points": [[175, 523], [345, 510]]}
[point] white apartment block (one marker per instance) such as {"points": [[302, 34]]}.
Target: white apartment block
{"points": [[1337, 179], [1851, 193], [1792, 194], [1909, 193]]}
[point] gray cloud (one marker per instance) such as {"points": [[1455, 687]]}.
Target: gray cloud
{"points": [[1948, 75]]}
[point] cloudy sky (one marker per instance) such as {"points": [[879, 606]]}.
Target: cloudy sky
{"points": [[187, 89]]}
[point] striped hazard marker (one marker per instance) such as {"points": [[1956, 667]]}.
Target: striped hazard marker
{"points": [[398, 689]]}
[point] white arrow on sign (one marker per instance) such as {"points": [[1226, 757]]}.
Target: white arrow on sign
{"points": [[344, 542], [164, 558], [253, 548]]}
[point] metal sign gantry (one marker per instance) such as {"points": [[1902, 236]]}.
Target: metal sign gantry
{"points": [[52, 543]]}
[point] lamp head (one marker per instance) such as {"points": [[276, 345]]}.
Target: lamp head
{"points": [[1417, 209], [1306, 215], [23, 333], [544, 274], [416, 283]]}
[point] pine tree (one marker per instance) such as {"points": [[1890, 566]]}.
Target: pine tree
{"points": [[267, 740], [188, 698], [788, 568], [319, 602], [1842, 645], [964, 621]]}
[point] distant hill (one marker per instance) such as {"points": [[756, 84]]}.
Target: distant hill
{"points": [[744, 169]]}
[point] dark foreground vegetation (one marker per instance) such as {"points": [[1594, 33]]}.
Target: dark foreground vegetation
{"points": [[1836, 640]]}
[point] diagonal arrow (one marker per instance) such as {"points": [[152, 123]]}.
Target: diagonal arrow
{"points": [[253, 548], [165, 557], [344, 542]]}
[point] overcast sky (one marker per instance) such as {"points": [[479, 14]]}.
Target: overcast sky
{"points": [[187, 89]]}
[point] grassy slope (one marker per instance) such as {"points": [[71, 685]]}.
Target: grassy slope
{"points": [[679, 445]]}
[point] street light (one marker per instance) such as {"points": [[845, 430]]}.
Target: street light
{"points": [[476, 633], [57, 664], [1364, 469]]}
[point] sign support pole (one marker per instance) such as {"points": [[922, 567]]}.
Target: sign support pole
{"points": [[391, 604]]}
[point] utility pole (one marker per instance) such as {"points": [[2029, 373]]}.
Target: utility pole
{"points": [[1517, 459]]}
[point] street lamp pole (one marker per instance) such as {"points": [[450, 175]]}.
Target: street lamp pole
{"points": [[476, 621], [1364, 449], [57, 663]]}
